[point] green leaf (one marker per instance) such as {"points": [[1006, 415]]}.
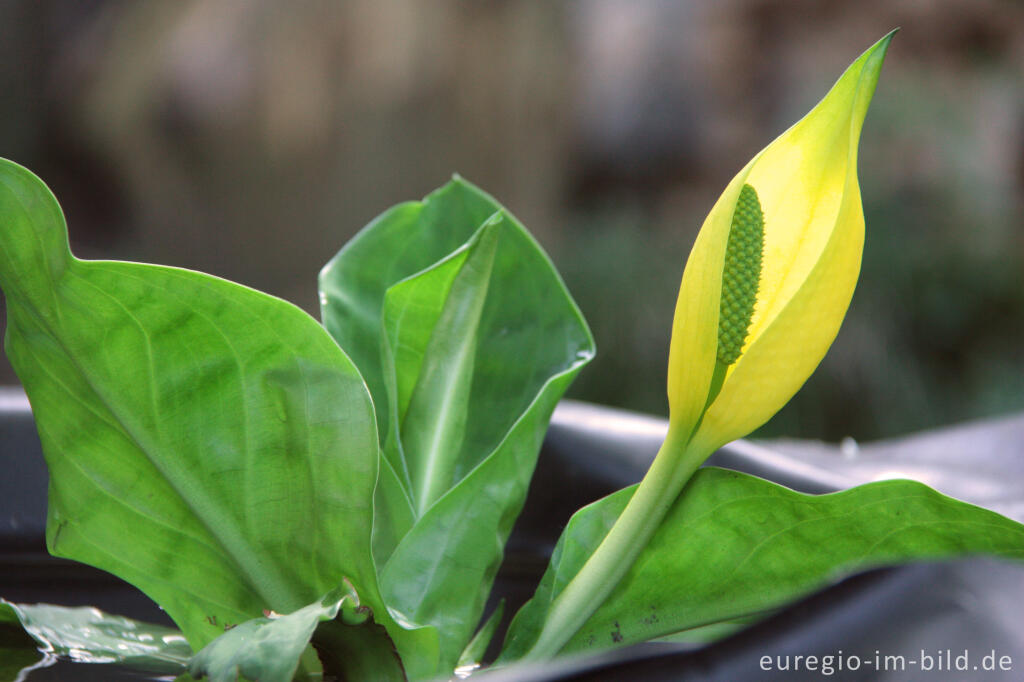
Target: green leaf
{"points": [[18, 651], [208, 443], [357, 652], [467, 335], [442, 571], [274, 648], [474, 652], [16, 659], [735, 546], [400, 242], [433, 415], [264, 649], [88, 635]]}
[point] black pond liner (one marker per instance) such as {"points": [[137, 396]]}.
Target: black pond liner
{"points": [[931, 621]]}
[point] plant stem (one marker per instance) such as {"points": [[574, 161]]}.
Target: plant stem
{"points": [[672, 468]]}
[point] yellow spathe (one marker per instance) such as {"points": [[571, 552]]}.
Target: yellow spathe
{"points": [[806, 181]]}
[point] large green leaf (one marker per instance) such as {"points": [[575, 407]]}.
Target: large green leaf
{"points": [[735, 546], [208, 443], [88, 635], [467, 335]]}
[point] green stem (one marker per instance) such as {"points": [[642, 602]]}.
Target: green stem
{"points": [[672, 468]]}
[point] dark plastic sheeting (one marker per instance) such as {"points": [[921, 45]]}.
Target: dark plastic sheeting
{"points": [[921, 613]]}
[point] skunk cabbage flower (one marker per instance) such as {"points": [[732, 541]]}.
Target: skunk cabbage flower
{"points": [[765, 288], [772, 271]]}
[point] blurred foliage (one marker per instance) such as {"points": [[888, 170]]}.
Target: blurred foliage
{"points": [[251, 140]]}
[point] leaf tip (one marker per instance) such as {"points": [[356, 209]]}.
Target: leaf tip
{"points": [[874, 57]]}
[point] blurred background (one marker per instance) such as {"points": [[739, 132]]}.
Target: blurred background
{"points": [[250, 139]]}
